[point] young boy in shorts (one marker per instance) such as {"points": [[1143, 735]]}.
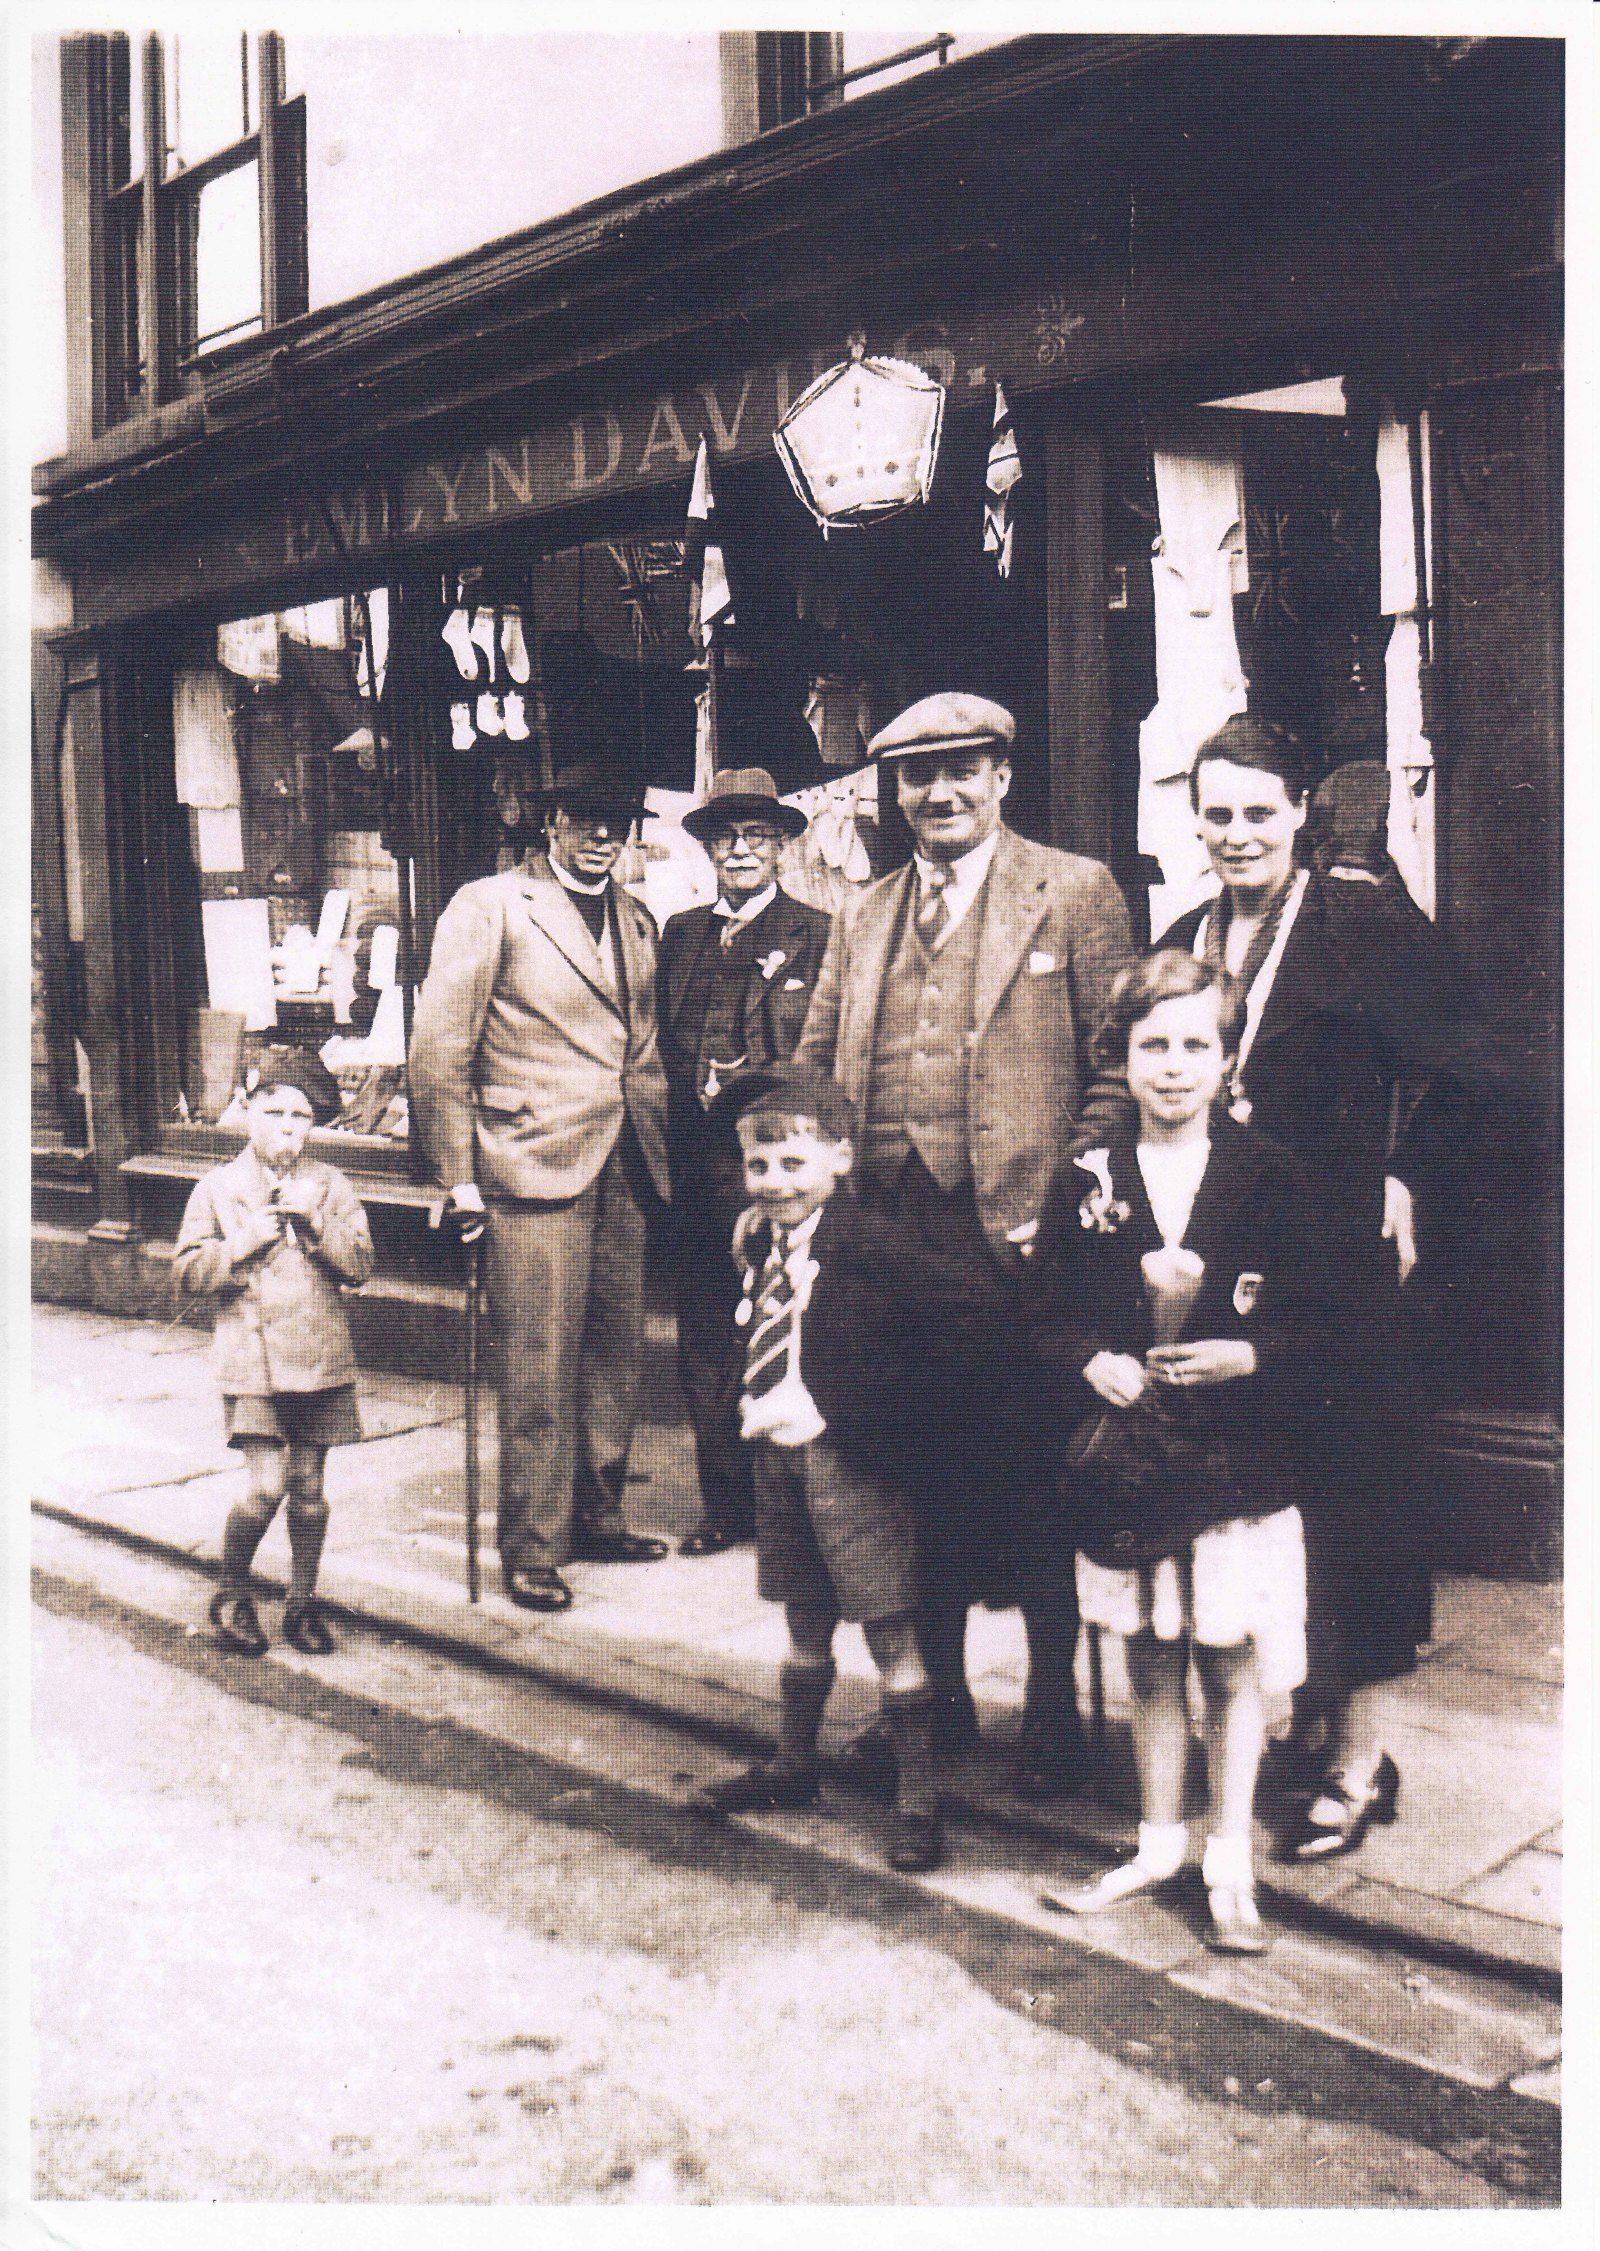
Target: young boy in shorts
{"points": [[273, 1236], [845, 1319]]}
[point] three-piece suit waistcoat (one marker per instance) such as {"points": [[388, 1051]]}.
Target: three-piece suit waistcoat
{"points": [[921, 1058]]}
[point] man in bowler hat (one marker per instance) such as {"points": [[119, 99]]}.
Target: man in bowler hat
{"points": [[537, 1087], [956, 1005], [734, 984]]}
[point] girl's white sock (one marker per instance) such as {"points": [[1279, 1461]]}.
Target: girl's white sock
{"points": [[1226, 1864], [1162, 1846]]}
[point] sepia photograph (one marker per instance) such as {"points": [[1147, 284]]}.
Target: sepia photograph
{"points": [[794, 1373]]}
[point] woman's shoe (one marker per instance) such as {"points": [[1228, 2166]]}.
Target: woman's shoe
{"points": [[306, 1628], [1236, 1926], [238, 1627], [1337, 1819]]}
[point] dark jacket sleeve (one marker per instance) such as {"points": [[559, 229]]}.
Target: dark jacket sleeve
{"points": [[1102, 949], [1065, 1305]]}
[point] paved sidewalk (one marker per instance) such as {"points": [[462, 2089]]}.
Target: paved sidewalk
{"points": [[128, 1439]]}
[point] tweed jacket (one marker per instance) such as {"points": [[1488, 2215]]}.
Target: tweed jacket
{"points": [[524, 1061], [281, 1323], [1355, 1065], [782, 953], [1254, 1224], [1055, 934]]}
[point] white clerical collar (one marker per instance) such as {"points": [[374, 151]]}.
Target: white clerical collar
{"points": [[571, 883], [966, 873], [748, 911]]}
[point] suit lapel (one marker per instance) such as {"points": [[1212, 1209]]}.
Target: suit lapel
{"points": [[1012, 903], [548, 905], [687, 959], [876, 922]]}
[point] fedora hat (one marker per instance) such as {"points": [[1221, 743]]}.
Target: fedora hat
{"points": [[588, 787], [742, 793]]}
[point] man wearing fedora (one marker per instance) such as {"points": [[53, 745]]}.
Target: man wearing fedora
{"points": [[955, 1007], [537, 1087], [734, 983]]}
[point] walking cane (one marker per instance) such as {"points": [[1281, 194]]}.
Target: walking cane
{"points": [[474, 1251], [474, 1270]]}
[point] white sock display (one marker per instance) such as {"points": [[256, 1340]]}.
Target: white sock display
{"points": [[515, 649], [517, 728], [461, 729], [483, 636], [457, 632], [488, 715]]}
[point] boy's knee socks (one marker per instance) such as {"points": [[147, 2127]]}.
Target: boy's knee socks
{"points": [[308, 1528], [909, 1715], [803, 1692], [242, 1535]]}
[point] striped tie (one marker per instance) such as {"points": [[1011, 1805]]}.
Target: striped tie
{"points": [[933, 908], [766, 1357]]}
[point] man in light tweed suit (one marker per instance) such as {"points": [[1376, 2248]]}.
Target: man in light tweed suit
{"points": [[541, 1103], [955, 1007]]}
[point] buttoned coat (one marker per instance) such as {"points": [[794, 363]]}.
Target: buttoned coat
{"points": [[1053, 937], [787, 941], [281, 1323], [524, 1060]]}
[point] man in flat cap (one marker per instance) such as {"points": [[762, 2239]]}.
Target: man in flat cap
{"points": [[537, 1087], [734, 984], [956, 1004]]}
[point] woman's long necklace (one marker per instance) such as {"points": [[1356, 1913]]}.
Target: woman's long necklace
{"points": [[1236, 989]]}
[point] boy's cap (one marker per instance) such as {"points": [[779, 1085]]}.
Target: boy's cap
{"points": [[294, 1066], [790, 1094]]}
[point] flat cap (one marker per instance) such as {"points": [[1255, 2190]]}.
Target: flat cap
{"points": [[304, 1071], [947, 723], [790, 1094]]}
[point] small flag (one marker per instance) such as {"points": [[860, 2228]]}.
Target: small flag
{"points": [[713, 601], [1004, 476]]}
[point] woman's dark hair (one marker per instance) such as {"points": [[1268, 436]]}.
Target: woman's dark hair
{"points": [[1247, 741], [1166, 974]]}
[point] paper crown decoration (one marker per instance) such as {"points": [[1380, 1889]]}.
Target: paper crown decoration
{"points": [[861, 442]]}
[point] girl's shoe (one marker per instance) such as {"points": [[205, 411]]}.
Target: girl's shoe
{"points": [[306, 1628], [238, 1627], [1111, 1889], [1236, 1926], [1338, 1818]]}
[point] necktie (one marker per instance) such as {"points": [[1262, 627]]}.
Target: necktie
{"points": [[766, 1355], [933, 907]]}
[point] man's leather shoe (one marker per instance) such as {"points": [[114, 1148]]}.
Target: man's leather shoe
{"points": [[915, 1843], [617, 1547], [710, 1539], [536, 1587], [868, 1760], [238, 1627], [759, 1789]]}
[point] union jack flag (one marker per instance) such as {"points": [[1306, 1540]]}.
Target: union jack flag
{"points": [[638, 562]]}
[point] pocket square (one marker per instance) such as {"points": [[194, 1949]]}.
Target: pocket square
{"points": [[1041, 964], [794, 984]]}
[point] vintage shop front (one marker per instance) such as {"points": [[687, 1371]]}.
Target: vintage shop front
{"points": [[1278, 323]]}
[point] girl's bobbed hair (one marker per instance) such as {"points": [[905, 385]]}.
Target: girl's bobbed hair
{"points": [[1167, 974], [1245, 740]]}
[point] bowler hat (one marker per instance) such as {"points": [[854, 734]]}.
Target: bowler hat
{"points": [[797, 1093], [588, 787], [946, 724], [742, 793]]}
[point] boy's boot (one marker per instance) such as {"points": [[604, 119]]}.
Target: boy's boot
{"points": [[304, 1625], [791, 1778], [915, 1842], [232, 1610]]}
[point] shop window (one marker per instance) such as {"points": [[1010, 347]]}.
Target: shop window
{"points": [[279, 774], [1270, 550]]}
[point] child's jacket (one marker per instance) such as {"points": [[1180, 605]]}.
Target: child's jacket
{"points": [[890, 1331], [1265, 1281], [281, 1324]]}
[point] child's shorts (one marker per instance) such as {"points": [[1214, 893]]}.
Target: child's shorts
{"points": [[1241, 1581], [830, 1535], [294, 1418]]}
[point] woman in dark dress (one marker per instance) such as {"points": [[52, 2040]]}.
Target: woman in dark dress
{"points": [[1352, 1010]]}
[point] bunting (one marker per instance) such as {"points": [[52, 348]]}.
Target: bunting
{"points": [[1003, 477], [712, 603]]}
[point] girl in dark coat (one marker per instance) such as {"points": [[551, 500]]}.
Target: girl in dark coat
{"points": [[1352, 1008], [1175, 1283]]}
